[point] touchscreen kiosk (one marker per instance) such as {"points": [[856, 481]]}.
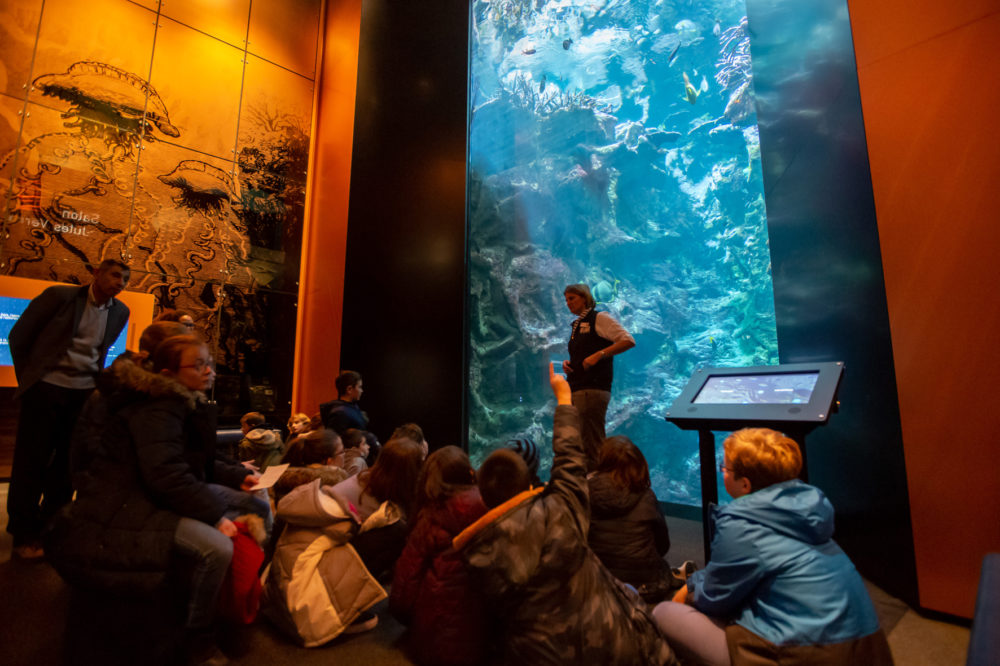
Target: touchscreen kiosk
{"points": [[785, 397], [793, 398], [791, 388]]}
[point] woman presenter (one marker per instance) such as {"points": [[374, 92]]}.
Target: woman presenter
{"points": [[594, 339]]}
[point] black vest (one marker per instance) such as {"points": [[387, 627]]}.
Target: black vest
{"points": [[583, 342]]}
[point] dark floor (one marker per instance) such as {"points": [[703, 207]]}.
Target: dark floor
{"points": [[42, 623]]}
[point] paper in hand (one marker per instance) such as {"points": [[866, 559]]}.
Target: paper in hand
{"points": [[270, 476]]}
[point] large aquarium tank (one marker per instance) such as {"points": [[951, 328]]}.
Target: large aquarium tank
{"points": [[614, 143]]}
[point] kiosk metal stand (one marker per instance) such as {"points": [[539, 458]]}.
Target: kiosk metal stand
{"points": [[794, 398]]}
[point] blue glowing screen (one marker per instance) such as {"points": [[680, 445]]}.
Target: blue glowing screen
{"points": [[10, 311]]}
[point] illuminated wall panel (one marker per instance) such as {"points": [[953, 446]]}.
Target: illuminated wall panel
{"points": [[18, 28], [157, 134], [285, 33], [202, 95], [226, 21]]}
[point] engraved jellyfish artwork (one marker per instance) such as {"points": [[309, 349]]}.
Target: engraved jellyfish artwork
{"points": [[196, 245], [74, 189], [201, 237]]}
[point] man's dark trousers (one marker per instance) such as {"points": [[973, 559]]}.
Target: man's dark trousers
{"points": [[40, 480]]}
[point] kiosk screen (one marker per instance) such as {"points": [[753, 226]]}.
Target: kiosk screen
{"points": [[771, 389]]}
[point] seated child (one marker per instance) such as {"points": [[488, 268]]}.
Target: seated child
{"points": [[316, 456], [391, 481], [260, 445], [414, 432], [627, 529], [297, 424], [155, 492], [527, 449], [374, 446], [317, 587], [293, 449], [529, 556], [431, 590], [88, 436], [356, 450], [777, 589]]}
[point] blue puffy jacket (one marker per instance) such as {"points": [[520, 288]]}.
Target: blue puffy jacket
{"points": [[776, 571]]}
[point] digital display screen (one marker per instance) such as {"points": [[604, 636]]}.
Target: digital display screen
{"points": [[11, 309], [772, 389]]}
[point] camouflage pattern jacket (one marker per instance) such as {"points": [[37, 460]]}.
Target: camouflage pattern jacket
{"points": [[556, 602]]}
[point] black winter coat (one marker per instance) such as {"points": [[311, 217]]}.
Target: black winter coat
{"points": [[340, 416], [628, 531], [144, 450]]}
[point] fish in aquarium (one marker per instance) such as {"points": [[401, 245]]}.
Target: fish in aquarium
{"points": [[586, 165], [690, 92]]}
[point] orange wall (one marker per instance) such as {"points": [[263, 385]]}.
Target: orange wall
{"points": [[929, 76], [321, 288]]}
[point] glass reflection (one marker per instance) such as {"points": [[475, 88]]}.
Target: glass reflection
{"points": [[613, 143]]}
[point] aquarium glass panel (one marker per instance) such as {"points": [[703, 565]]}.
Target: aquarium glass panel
{"points": [[613, 143]]}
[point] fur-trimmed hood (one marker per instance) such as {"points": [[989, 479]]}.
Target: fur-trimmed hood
{"points": [[127, 376]]}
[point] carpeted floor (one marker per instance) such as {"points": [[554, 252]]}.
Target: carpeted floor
{"points": [[43, 623]]}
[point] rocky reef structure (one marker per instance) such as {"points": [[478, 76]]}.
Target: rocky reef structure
{"points": [[589, 164]]}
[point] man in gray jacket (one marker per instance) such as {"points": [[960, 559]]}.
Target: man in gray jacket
{"points": [[58, 345]]}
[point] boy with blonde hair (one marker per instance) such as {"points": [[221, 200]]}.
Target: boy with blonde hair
{"points": [[778, 589]]}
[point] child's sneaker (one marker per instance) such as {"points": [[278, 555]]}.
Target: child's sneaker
{"points": [[365, 622], [685, 570]]}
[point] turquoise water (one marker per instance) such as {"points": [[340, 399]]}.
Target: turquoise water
{"points": [[613, 143]]}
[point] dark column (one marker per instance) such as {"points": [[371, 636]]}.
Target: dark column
{"points": [[404, 288]]}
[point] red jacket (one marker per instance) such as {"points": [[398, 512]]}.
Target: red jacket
{"points": [[239, 597], [431, 591]]}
